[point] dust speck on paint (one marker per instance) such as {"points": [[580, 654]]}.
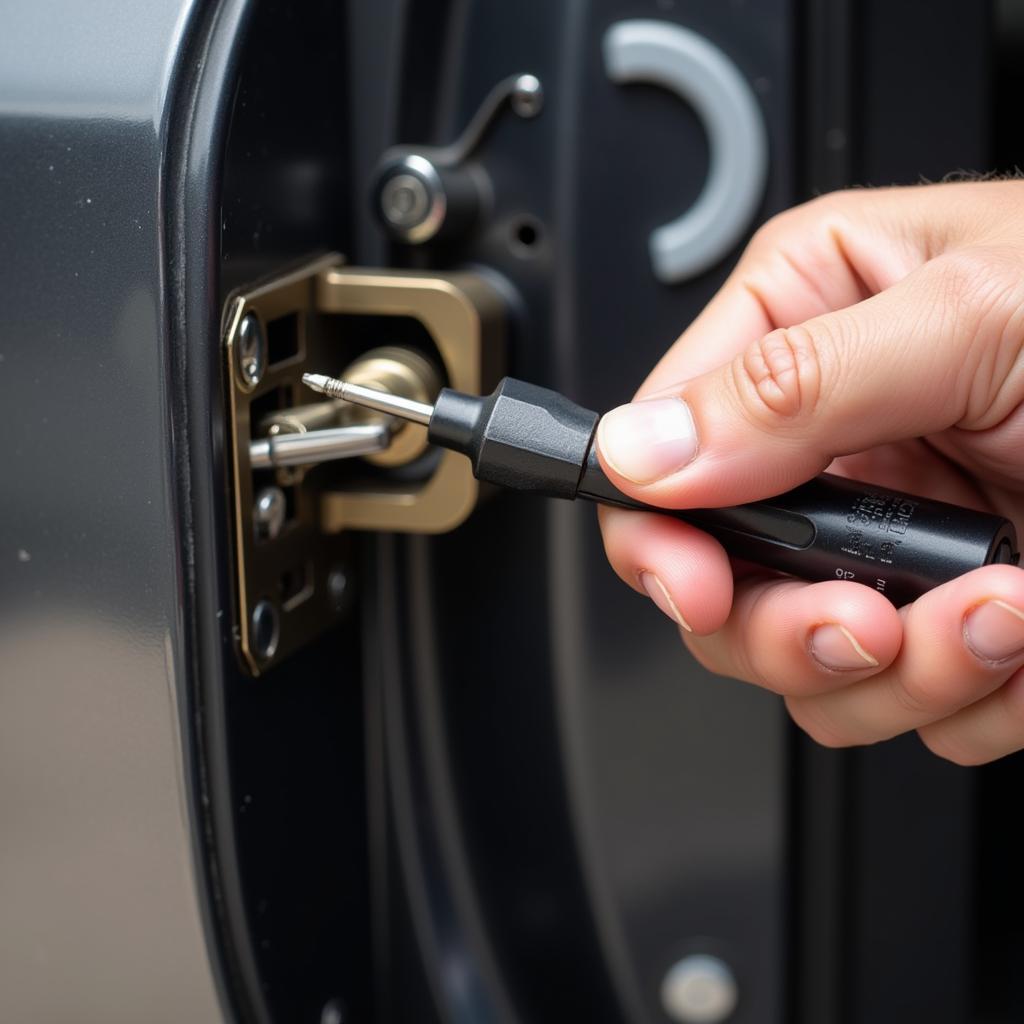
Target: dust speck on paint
{"points": [[23, 555]]}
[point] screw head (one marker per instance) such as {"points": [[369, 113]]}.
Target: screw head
{"points": [[264, 630], [404, 201], [269, 513], [527, 96], [251, 350], [699, 989], [337, 588]]}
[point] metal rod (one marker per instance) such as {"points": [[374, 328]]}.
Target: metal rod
{"points": [[319, 446]]}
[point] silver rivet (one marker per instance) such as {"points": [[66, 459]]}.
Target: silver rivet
{"points": [[264, 630], [269, 513], [251, 349], [699, 989], [337, 588], [404, 201], [527, 96]]}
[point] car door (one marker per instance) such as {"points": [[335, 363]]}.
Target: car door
{"points": [[360, 740]]}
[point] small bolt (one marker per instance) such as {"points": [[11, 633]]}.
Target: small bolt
{"points": [[269, 513], [251, 348], [404, 201], [337, 588], [527, 96], [264, 630], [699, 989]]}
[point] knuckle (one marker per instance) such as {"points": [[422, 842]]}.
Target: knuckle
{"points": [[963, 273], [982, 296], [979, 288], [778, 379], [768, 235], [783, 224], [839, 200], [843, 207]]}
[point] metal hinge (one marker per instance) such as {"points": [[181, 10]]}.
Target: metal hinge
{"points": [[293, 501]]}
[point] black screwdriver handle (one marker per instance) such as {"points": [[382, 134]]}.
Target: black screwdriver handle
{"points": [[530, 438], [833, 528]]}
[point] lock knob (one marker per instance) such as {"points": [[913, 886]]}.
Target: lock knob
{"points": [[427, 193], [419, 200]]}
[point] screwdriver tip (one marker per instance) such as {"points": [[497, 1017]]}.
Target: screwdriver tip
{"points": [[370, 398], [318, 382]]}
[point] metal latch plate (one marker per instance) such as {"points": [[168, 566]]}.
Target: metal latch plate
{"points": [[292, 586]]}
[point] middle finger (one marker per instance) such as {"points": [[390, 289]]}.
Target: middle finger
{"points": [[961, 641]]}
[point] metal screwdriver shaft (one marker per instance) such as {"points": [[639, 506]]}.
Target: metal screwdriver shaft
{"points": [[370, 398]]}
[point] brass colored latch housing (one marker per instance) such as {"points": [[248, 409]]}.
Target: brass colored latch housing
{"points": [[291, 520]]}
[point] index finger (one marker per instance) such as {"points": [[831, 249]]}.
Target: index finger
{"points": [[802, 263]]}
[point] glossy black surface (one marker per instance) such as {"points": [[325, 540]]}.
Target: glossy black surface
{"points": [[260, 173], [102, 873]]}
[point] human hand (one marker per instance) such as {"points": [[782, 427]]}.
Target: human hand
{"points": [[884, 330]]}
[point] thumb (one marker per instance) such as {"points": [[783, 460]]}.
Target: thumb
{"points": [[933, 351]]}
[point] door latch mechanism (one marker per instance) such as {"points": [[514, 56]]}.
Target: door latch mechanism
{"points": [[430, 193], [305, 474]]}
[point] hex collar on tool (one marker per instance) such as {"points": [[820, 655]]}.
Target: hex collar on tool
{"points": [[699, 73]]}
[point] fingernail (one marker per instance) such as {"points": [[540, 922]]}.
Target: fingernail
{"points": [[645, 441], [836, 648], [658, 593], [995, 631]]}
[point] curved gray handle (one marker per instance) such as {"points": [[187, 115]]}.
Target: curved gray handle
{"points": [[666, 54]]}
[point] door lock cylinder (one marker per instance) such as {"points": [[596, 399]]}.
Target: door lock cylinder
{"points": [[308, 435]]}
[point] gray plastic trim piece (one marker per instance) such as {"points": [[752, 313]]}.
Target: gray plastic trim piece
{"points": [[687, 64]]}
